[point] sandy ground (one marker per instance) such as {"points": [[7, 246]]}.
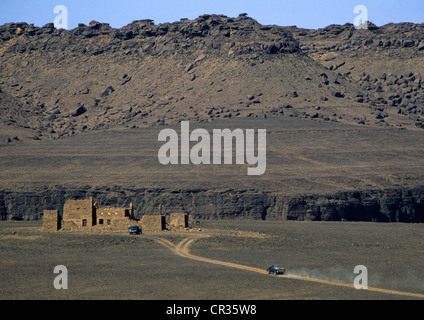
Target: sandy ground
{"points": [[302, 156], [215, 260]]}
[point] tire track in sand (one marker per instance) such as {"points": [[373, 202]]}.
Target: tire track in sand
{"points": [[183, 249]]}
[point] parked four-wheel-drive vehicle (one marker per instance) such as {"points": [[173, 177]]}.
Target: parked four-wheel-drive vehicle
{"points": [[275, 269], [134, 229]]}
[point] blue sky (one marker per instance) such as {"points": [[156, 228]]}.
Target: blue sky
{"points": [[306, 14]]}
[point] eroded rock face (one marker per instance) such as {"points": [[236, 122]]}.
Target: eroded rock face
{"points": [[381, 206], [207, 32]]}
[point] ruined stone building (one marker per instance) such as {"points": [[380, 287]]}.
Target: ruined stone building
{"points": [[87, 215], [115, 217], [78, 214]]}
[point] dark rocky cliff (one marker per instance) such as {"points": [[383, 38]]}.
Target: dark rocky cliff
{"points": [[381, 206]]}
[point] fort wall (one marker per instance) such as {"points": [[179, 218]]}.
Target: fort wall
{"points": [[153, 223], [51, 220], [178, 220]]}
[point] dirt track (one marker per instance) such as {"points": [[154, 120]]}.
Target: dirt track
{"points": [[183, 249]]}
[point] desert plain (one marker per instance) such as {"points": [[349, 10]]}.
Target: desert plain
{"points": [[319, 258]]}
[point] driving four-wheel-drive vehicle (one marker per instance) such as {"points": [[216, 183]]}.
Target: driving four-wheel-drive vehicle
{"points": [[275, 269]]}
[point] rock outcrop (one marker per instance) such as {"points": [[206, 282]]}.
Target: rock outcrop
{"points": [[209, 33], [372, 205]]}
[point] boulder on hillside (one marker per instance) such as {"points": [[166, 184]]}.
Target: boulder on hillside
{"points": [[79, 110]]}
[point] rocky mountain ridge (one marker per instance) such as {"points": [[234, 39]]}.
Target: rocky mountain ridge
{"points": [[57, 83]]}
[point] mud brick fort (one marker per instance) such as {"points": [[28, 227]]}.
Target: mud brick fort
{"points": [[87, 215]]}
